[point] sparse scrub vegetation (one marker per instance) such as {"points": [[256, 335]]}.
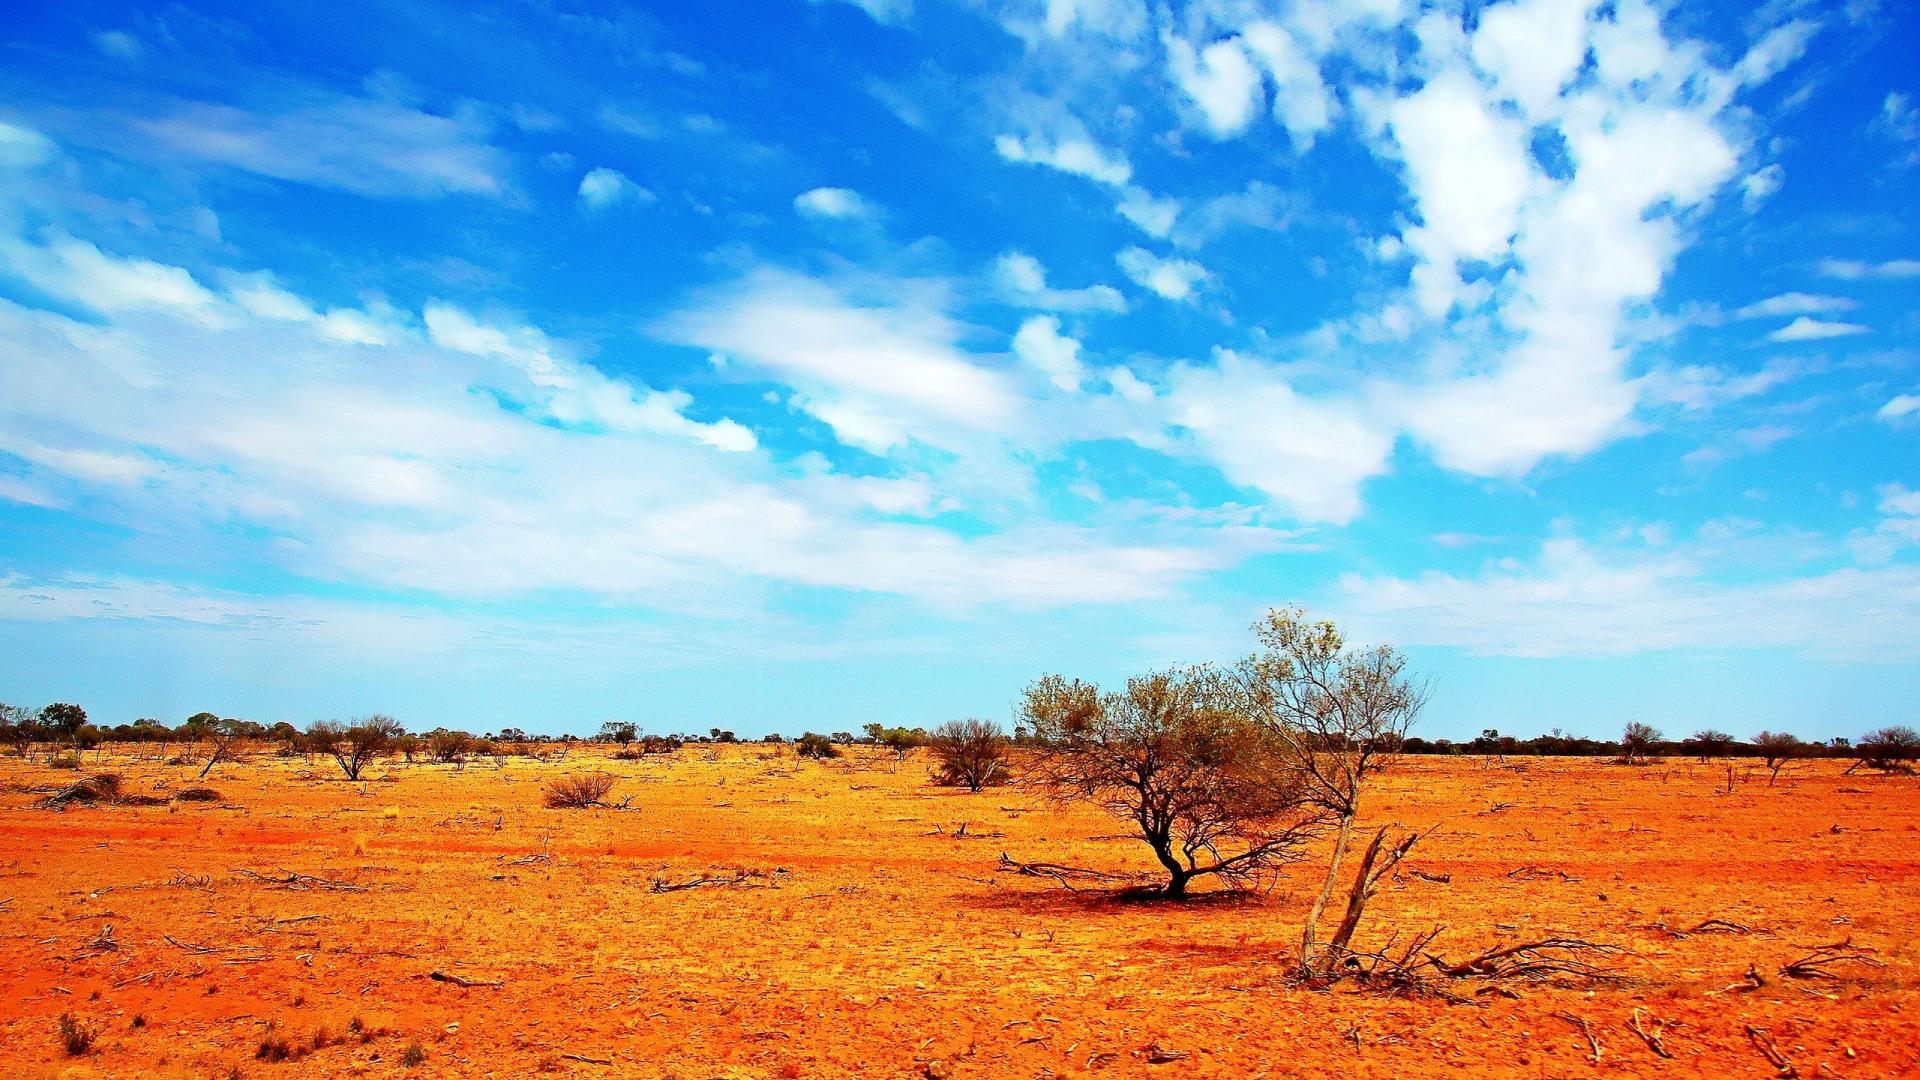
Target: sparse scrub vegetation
{"points": [[969, 753], [354, 745], [812, 745], [1887, 750], [76, 1035], [579, 791]]}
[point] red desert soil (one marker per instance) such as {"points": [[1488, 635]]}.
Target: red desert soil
{"points": [[880, 942]]}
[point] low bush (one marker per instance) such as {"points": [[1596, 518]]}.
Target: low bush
{"points": [[198, 794], [76, 1036], [816, 746], [579, 792]]}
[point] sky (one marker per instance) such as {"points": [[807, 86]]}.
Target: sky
{"points": [[788, 365]]}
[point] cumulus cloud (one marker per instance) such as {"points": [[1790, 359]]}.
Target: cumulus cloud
{"points": [[1080, 157], [1171, 278], [1310, 454], [1022, 279], [603, 188], [1040, 343], [835, 203]]}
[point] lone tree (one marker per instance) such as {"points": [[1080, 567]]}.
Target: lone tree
{"points": [[902, 741], [1777, 748], [815, 745], [354, 745], [449, 746], [62, 721], [227, 736], [1339, 715], [1709, 744], [18, 728], [970, 753], [1889, 750], [619, 731], [1637, 741], [1205, 787]]}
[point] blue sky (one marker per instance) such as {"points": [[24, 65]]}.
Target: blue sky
{"points": [[793, 365]]}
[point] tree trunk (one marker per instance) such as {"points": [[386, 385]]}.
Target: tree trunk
{"points": [[1177, 874], [1357, 898], [1309, 937]]}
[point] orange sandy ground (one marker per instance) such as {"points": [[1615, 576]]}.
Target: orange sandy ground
{"points": [[890, 947]]}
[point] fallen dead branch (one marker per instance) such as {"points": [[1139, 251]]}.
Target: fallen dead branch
{"points": [[1534, 961], [1655, 1039], [1065, 876], [1438, 879], [198, 950], [1585, 1029], [1763, 1042], [1818, 963], [463, 983], [296, 881], [752, 879], [1539, 873], [584, 1060]]}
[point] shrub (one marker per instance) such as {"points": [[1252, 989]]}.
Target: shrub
{"points": [[414, 1055], [1203, 784], [449, 746], [815, 745], [198, 794], [1890, 749], [1776, 747], [66, 759], [354, 745], [969, 753], [579, 792], [1637, 741], [76, 1037], [104, 787]]}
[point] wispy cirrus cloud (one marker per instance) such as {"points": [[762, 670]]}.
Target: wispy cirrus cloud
{"points": [[365, 145]]}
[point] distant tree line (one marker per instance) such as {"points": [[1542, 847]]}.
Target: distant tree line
{"points": [[1886, 748], [968, 751]]}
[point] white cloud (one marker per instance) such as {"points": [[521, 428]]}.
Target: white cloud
{"points": [[572, 392], [1302, 101], [1309, 454], [1172, 278], [1757, 186], [1794, 303], [867, 367], [1899, 407], [1079, 157], [603, 188], [834, 202], [881, 11], [119, 44], [81, 272], [1022, 279], [367, 146], [1040, 343], [1807, 328], [1858, 270], [1532, 48], [1770, 55], [1220, 79], [23, 148], [1468, 170], [1574, 600]]}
